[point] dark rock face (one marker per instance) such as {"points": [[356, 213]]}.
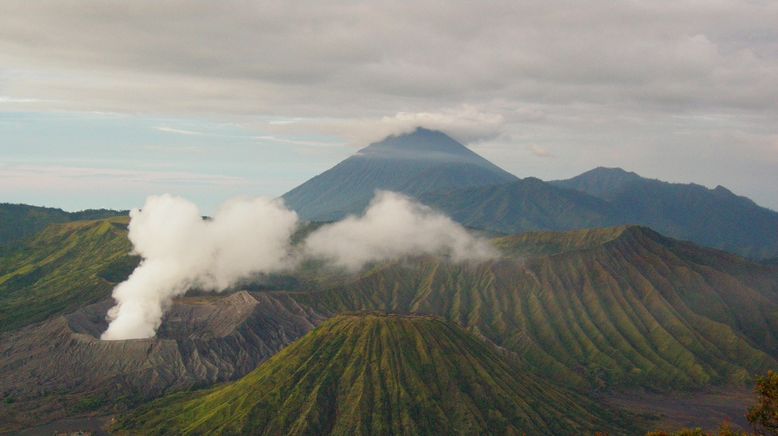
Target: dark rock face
{"points": [[55, 368]]}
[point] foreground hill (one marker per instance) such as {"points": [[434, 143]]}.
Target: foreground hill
{"points": [[713, 217], [60, 368], [605, 308], [380, 374], [414, 163], [62, 268], [20, 221]]}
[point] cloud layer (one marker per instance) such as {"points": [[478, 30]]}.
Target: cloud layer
{"points": [[238, 56], [466, 123], [679, 90]]}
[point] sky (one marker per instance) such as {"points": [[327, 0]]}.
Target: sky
{"points": [[103, 103]]}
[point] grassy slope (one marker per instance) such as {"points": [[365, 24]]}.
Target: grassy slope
{"points": [[616, 306], [21, 221], [610, 307], [377, 374], [64, 267]]}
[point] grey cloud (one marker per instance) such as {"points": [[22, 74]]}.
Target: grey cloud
{"points": [[539, 151], [600, 83], [467, 123], [281, 59]]}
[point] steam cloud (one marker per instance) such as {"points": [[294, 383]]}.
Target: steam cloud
{"points": [[181, 250], [394, 226]]}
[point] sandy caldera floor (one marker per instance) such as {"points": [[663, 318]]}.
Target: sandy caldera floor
{"points": [[672, 411]]}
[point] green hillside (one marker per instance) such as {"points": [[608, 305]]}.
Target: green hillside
{"points": [[21, 221], [380, 374], [607, 307], [62, 268], [620, 306]]}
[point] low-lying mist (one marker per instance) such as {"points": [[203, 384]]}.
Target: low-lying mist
{"points": [[181, 250]]}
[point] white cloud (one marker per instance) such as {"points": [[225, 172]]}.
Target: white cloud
{"points": [[466, 123], [62, 177], [539, 151], [178, 131], [293, 141], [395, 226], [6, 99]]}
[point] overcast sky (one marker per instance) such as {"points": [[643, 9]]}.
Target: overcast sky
{"points": [[105, 102]]}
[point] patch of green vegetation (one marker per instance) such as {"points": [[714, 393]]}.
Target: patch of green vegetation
{"points": [[64, 267], [88, 404], [611, 307], [550, 243], [20, 221], [381, 374]]}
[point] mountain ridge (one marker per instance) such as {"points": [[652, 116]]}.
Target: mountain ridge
{"points": [[22, 221], [714, 217], [61, 268], [444, 174], [638, 309], [604, 182], [522, 205], [605, 197]]}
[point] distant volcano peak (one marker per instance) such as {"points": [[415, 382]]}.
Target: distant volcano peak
{"points": [[422, 144], [413, 163]]}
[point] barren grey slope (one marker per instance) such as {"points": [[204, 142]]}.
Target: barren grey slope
{"points": [[58, 367]]}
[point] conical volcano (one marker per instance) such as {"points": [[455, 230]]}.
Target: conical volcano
{"points": [[381, 374], [413, 163]]}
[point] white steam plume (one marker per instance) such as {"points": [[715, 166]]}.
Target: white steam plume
{"points": [[181, 250], [394, 226]]}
